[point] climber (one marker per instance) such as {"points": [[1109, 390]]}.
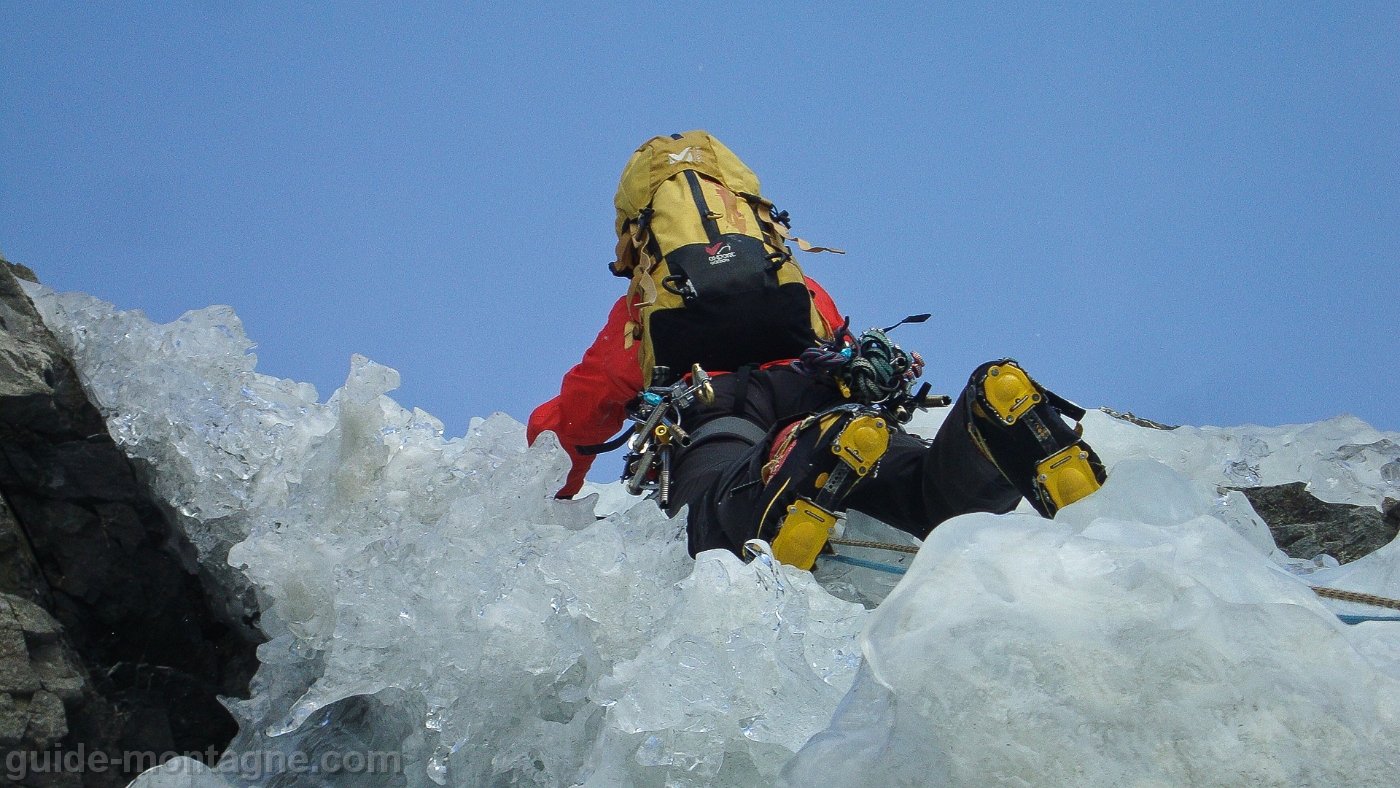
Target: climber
{"points": [[773, 449]]}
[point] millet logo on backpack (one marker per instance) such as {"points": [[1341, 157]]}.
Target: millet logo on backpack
{"points": [[690, 154], [719, 253]]}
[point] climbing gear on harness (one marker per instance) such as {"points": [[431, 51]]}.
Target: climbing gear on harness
{"points": [[813, 466], [872, 370], [713, 280], [656, 431], [1018, 425]]}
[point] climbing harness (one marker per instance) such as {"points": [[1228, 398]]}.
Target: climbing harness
{"points": [[729, 426]]}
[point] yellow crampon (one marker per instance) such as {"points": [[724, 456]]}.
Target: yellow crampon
{"points": [[1066, 476], [808, 523], [1010, 392], [804, 534], [862, 443], [1017, 425]]}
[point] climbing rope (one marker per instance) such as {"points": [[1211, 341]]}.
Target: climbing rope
{"points": [[830, 357], [864, 564], [1328, 593], [1356, 596], [873, 368], [901, 548]]}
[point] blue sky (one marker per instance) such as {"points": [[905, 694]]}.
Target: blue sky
{"points": [[1190, 211]]}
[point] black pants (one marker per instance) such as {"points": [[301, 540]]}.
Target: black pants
{"points": [[917, 485]]}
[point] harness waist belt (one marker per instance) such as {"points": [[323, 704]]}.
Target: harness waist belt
{"points": [[737, 426]]}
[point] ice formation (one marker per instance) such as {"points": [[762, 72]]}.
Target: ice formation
{"points": [[429, 596], [1134, 641], [526, 640]]}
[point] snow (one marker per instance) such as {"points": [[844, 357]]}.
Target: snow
{"points": [[428, 595]]}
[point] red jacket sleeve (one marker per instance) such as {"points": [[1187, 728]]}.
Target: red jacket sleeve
{"points": [[591, 404]]}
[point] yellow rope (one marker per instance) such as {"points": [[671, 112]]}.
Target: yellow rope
{"points": [[1354, 596], [900, 548]]}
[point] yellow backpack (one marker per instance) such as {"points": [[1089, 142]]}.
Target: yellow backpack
{"points": [[713, 281]]}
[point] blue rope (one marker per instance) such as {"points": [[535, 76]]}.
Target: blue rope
{"points": [[899, 570], [864, 564], [1358, 619]]}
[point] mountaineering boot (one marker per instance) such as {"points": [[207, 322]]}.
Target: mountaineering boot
{"points": [[813, 465], [1020, 427]]}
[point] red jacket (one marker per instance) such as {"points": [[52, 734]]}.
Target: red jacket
{"points": [[591, 406]]}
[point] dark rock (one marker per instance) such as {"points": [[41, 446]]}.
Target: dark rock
{"points": [[171, 700], [13, 720], [35, 622], [20, 270], [39, 678], [19, 569], [121, 524], [47, 721], [39, 389], [16, 675], [53, 665], [108, 640], [87, 468], [1305, 527]]}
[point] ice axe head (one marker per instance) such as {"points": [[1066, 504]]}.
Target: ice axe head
{"points": [[910, 319]]}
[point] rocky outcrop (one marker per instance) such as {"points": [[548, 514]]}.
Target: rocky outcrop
{"points": [[1138, 420], [112, 643], [37, 672], [1305, 527]]}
